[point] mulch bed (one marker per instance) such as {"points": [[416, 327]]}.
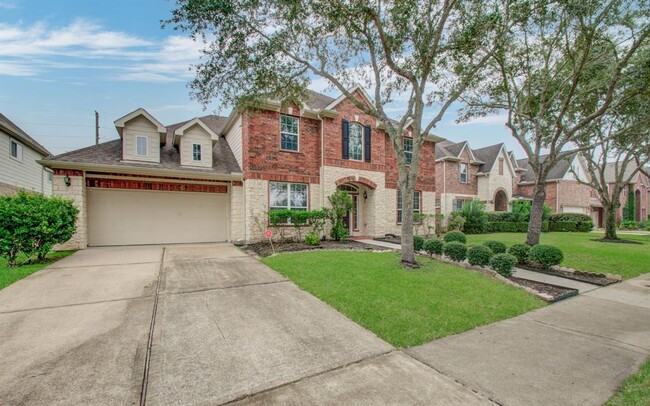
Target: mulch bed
{"points": [[619, 241], [580, 276], [555, 292], [263, 249]]}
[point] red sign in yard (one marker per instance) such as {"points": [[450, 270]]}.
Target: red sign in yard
{"points": [[268, 234]]}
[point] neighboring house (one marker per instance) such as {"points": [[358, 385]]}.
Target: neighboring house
{"points": [[464, 174], [564, 194], [19, 169], [639, 185], [215, 179]]}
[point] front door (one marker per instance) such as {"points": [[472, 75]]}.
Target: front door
{"points": [[351, 220]]}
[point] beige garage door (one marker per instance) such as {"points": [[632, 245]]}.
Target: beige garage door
{"points": [[573, 209], [128, 217]]}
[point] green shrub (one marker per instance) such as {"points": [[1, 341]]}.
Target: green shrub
{"points": [[497, 247], [340, 204], [546, 255], [569, 226], [628, 225], [503, 264], [339, 232], [479, 255], [456, 251], [457, 236], [519, 251], [563, 222], [512, 227], [585, 227], [418, 243], [311, 238], [434, 246], [32, 224], [475, 217]]}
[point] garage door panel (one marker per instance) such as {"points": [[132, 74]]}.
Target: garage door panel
{"points": [[127, 217], [573, 209]]}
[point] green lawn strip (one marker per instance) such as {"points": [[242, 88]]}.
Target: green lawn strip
{"points": [[405, 308], [635, 390], [581, 252], [11, 275]]}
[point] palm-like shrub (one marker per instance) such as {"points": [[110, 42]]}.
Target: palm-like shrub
{"points": [[475, 217]]}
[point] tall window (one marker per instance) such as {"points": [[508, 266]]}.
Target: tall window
{"points": [[141, 145], [291, 196], [458, 204], [16, 150], [417, 204], [463, 173], [408, 150], [356, 141], [196, 152], [500, 166], [289, 133]]}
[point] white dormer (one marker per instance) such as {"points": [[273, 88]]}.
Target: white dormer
{"points": [[578, 169], [141, 136], [195, 141]]}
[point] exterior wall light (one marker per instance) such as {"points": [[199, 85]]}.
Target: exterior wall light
{"points": [[66, 180]]}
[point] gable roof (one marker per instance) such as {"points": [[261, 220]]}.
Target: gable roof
{"points": [[110, 154], [12, 129], [557, 172], [317, 101], [610, 172], [121, 122], [489, 156], [180, 130]]}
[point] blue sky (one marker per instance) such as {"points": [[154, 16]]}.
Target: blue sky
{"points": [[62, 60]]}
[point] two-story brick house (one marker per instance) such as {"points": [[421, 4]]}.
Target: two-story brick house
{"points": [[464, 174], [215, 178]]}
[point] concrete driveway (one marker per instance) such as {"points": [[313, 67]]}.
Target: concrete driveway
{"points": [[193, 325]]}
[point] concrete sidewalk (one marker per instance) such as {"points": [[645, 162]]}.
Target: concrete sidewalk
{"points": [[554, 280], [574, 352]]}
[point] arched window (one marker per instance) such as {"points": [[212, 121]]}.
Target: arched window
{"points": [[355, 141]]}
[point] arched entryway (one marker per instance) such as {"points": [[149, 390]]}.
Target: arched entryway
{"points": [[351, 221], [500, 201]]}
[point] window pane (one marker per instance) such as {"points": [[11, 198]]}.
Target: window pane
{"points": [[289, 141], [356, 141], [141, 146], [196, 152], [408, 150], [289, 133], [14, 149], [278, 195], [298, 196], [416, 202]]}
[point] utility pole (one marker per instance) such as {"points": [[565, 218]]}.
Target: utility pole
{"points": [[96, 127]]}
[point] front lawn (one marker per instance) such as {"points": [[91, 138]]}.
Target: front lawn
{"points": [[635, 390], [11, 275], [405, 308], [581, 252]]}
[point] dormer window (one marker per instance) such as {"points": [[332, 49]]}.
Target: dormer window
{"points": [[141, 145], [196, 152]]}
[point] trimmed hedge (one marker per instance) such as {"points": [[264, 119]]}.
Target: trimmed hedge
{"points": [[513, 227], [519, 251], [434, 246], [457, 236], [572, 222], [479, 255], [503, 264], [497, 247], [546, 255], [456, 251], [418, 243]]}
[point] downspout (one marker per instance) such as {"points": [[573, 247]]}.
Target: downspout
{"points": [[557, 197], [443, 202], [322, 161]]}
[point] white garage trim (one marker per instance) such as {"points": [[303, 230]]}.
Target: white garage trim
{"points": [[574, 209], [133, 217]]}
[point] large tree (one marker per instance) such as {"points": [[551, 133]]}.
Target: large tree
{"points": [[556, 72], [617, 145], [424, 52]]}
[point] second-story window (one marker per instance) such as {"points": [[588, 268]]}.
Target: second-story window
{"points": [[463, 173], [141, 146], [289, 133], [356, 142], [408, 150], [196, 152]]}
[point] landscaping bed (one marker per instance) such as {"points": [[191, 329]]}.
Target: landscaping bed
{"points": [[550, 293], [581, 276], [264, 249]]}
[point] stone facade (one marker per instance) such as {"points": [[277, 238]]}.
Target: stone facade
{"points": [[77, 193]]}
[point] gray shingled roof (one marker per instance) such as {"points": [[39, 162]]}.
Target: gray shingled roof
{"points": [[110, 153], [317, 100], [9, 127], [610, 172], [557, 172], [488, 155]]}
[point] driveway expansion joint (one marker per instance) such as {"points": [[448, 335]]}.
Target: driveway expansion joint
{"points": [[247, 285], [31, 309], [101, 265]]}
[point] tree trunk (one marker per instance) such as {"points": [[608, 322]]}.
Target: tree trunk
{"points": [[536, 213], [408, 253], [610, 222]]}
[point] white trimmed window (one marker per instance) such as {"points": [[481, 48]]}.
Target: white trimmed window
{"points": [[141, 145], [458, 204], [196, 152], [292, 196], [417, 204], [408, 150], [16, 151], [289, 133], [355, 141], [463, 173]]}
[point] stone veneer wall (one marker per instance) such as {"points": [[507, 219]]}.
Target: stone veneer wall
{"points": [[77, 193], [237, 213], [6, 189]]}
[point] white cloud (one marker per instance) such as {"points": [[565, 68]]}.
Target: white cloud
{"points": [[7, 5], [490, 119], [16, 69]]}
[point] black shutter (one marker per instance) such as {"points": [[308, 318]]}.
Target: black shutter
{"points": [[367, 143], [345, 138]]}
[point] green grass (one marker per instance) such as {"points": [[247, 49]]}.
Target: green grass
{"points": [[405, 308], [635, 390], [581, 252], [11, 275]]}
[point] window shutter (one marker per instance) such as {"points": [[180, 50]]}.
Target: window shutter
{"points": [[345, 138], [367, 143]]}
